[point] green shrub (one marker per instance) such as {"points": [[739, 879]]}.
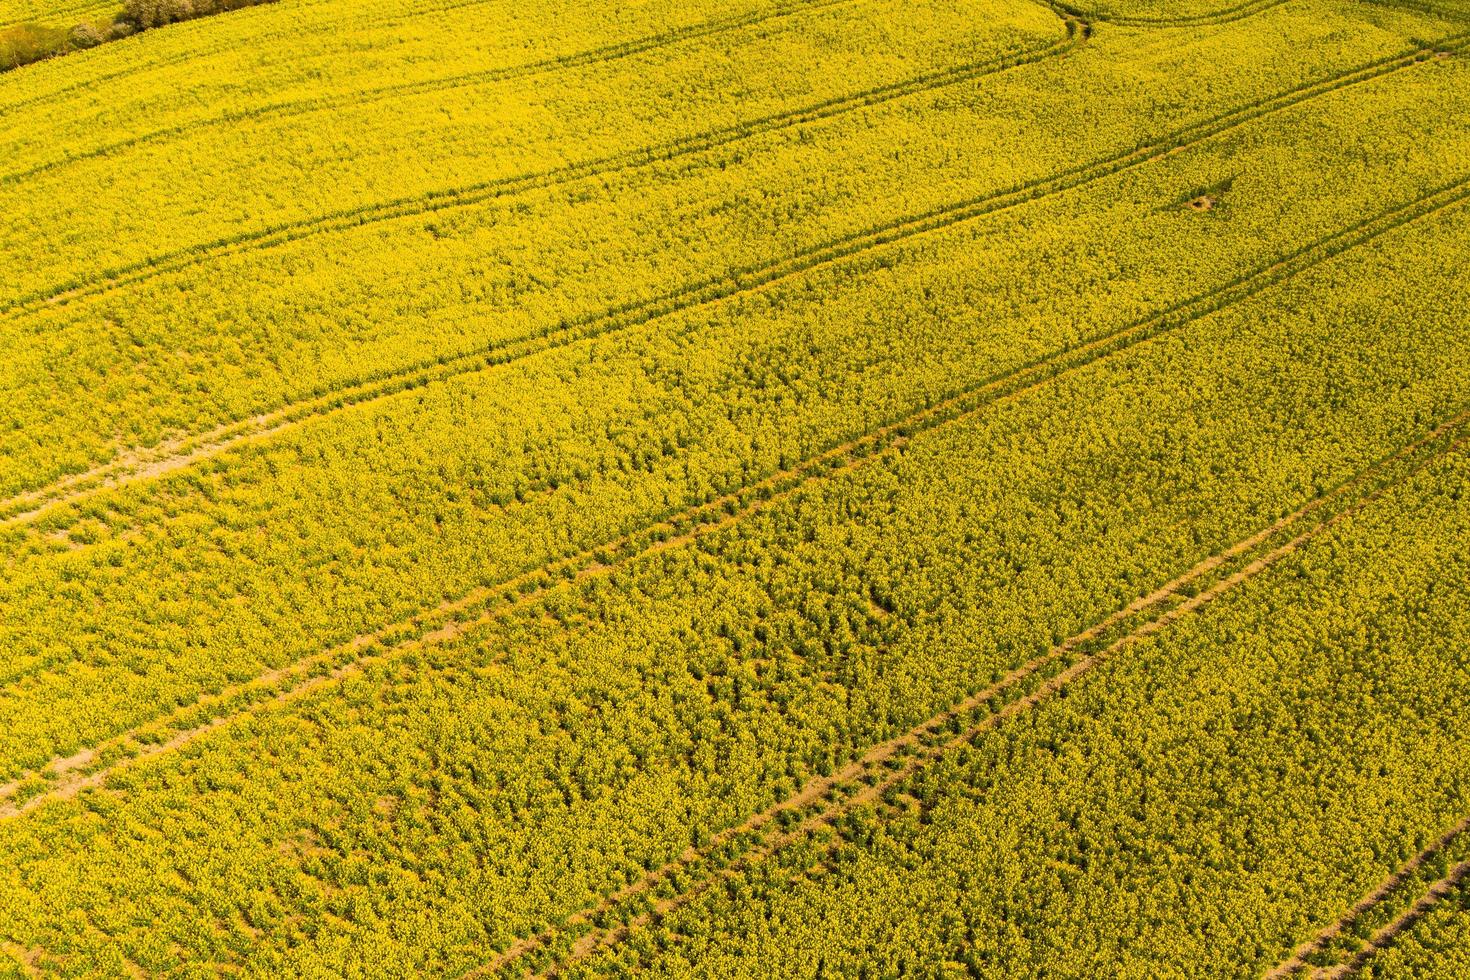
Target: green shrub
{"points": [[148, 14], [85, 36], [25, 43]]}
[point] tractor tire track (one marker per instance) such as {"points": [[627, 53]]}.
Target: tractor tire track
{"points": [[1065, 361], [287, 110], [1299, 961], [873, 789], [1380, 940], [1225, 16], [387, 20], [139, 464], [469, 195], [877, 756], [63, 777]]}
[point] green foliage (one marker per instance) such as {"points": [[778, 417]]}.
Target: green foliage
{"points": [[22, 44], [147, 14], [25, 43]]}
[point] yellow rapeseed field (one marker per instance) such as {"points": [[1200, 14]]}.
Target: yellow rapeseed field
{"points": [[735, 488]]}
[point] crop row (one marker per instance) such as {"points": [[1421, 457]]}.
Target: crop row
{"points": [[484, 76], [1189, 800], [438, 144], [300, 32], [479, 787], [1204, 18], [449, 619], [534, 330], [887, 767], [434, 140], [165, 316], [682, 75], [480, 192], [171, 554], [1400, 901], [516, 25], [46, 650], [1428, 942], [297, 107], [772, 583]]}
